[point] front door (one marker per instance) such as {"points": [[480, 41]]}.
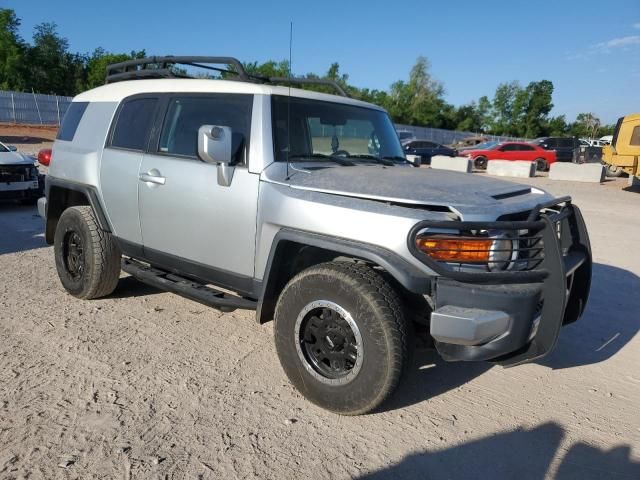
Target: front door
{"points": [[189, 222]]}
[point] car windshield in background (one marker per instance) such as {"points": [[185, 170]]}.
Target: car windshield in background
{"points": [[485, 146], [4, 148], [307, 129]]}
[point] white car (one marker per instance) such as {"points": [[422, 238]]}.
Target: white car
{"points": [[19, 177]]}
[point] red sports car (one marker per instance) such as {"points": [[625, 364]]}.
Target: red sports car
{"points": [[484, 152]]}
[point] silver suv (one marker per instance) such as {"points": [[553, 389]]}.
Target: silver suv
{"points": [[300, 205]]}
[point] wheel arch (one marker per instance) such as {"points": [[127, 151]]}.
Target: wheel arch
{"points": [[62, 194], [293, 251]]}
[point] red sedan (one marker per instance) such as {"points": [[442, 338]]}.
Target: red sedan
{"points": [[484, 152]]}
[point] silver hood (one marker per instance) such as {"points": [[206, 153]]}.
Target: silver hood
{"points": [[471, 195], [15, 158]]}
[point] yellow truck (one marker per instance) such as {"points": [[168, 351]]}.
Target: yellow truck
{"points": [[623, 155]]}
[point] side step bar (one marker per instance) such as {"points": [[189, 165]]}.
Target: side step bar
{"points": [[186, 287]]}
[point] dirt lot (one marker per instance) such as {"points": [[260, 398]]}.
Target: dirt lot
{"points": [[146, 384], [28, 138]]}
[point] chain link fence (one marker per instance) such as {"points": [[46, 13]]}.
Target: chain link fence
{"points": [[38, 109], [32, 108], [449, 137]]}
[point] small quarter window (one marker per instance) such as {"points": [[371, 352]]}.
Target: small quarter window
{"points": [[635, 136], [134, 124], [71, 120]]}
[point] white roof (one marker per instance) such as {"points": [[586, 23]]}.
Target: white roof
{"points": [[115, 92]]}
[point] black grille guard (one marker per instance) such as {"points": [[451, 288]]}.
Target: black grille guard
{"points": [[564, 270]]}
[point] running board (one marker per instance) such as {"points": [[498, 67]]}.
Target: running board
{"points": [[186, 287]]}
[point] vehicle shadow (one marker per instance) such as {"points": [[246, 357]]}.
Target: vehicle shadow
{"points": [[430, 376], [130, 287], [23, 139], [21, 228], [610, 321], [522, 453]]}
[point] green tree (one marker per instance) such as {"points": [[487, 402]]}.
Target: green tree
{"points": [[418, 101], [50, 67], [12, 50], [96, 65], [586, 125]]}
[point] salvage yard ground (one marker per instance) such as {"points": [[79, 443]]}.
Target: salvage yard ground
{"points": [[146, 384]]}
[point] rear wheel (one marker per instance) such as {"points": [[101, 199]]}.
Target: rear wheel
{"points": [[541, 165], [87, 258], [342, 337], [614, 171], [480, 163]]}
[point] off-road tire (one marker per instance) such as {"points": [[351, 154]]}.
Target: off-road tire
{"points": [[541, 165], [480, 162], [385, 333], [99, 261]]}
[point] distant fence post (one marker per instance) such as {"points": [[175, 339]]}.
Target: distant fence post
{"points": [[58, 109], [37, 107], [13, 107]]}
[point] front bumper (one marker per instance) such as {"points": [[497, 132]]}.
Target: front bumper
{"points": [[515, 317]]}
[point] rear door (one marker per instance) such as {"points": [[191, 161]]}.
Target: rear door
{"points": [[120, 164], [189, 222], [526, 152]]}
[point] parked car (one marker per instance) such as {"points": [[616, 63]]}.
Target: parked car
{"points": [[468, 142], [405, 135], [511, 151], [222, 191], [19, 178], [565, 147], [425, 149]]}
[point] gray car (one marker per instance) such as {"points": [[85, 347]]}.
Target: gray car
{"points": [[300, 205]]}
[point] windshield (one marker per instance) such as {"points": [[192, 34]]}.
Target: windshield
{"points": [[485, 146], [4, 148], [305, 128]]}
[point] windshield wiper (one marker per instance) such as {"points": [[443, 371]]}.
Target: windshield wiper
{"points": [[397, 158], [364, 156], [311, 157]]}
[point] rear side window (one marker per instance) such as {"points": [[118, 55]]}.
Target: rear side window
{"points": [[187, 114], [133, 124], [566, 142], [71, 121]]}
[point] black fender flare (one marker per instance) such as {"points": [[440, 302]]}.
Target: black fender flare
{"points": [[406, 274], [88, 191]]}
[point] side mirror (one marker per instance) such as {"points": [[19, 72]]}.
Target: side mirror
{"points": [[214, 146], [12, 148]]}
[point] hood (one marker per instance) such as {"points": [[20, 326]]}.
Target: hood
{"points": [[468, 194], [15, 158]]}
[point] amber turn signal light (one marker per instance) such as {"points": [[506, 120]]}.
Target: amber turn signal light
{"points": [[456, 249]]}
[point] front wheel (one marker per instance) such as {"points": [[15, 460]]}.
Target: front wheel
{"points": [[480, 163], [87, 258], [342, 337]]}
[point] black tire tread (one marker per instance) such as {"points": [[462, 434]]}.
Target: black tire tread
{"points": [[106, 257], [373, 285]]}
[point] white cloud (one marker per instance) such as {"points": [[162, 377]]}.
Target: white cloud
{"points": [[619, 42]]}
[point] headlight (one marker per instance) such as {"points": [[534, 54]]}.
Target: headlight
{"points": [[501, 254]]}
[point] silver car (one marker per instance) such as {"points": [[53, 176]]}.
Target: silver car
{"points": [[303, 206]]}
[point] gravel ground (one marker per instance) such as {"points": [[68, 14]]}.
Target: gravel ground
{"points": [[145, 384]]}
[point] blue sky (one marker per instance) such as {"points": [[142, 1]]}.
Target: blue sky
{"points": [[589, 50]]}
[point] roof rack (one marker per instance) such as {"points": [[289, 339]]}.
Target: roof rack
{"points": [[159, 67]]}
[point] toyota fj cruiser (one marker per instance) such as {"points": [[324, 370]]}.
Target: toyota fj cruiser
{"points": [[300, 205]]}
